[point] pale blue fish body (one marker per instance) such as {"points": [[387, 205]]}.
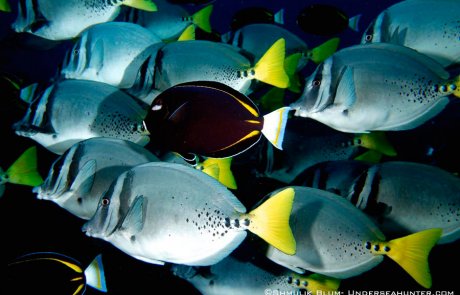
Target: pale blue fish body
{"points": [[306, 143], [110, 52], [408, 197], [166, 212], [201, 60], [377, 86], [331, 234], [167, 23], [70, 111], [61, 20], [232, 276], [431, 27], [78, 178], [257, 38]]}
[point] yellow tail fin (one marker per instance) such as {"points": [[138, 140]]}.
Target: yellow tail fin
{"points": [[187, 34], [411, 253], [24, 169], [270, 68], [5, 6], [202, 18], [325, 50], [146, 5], [219, 168], [376, 141], [290, 66], [315, 282], [270, 221]]}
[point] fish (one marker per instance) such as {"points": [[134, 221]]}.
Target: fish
{"points": [[336, 239], [232, 276], [431, 27], [169, 22], [256, 15], [376, 87], [256, 38], [190, 117], [307, 142], [109, 52], [80, 176], [191, 2], [23, 171], [330, 176], [203, 60], [53, 20], [326, 20], [54, 273], [401, 197], [69, 111], [170, 213]]}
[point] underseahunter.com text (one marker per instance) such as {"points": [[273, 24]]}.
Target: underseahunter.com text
{"points": [[352, 292]]}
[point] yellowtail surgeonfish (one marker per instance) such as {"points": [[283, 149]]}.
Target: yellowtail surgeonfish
{"points": [[171, 20], [257, 38], [378, 86], [307, 142], [110, 52], [53, 273], [203, 60], [79, 177], [429, 26], [61, 20], [166, 212], [23, 171], [69, 111], [401, 197], [336, 239], [233, 276]]}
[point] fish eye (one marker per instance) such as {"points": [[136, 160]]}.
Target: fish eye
{"points": [[368, 38], [105, 202], [76, 51], [316, 83]]}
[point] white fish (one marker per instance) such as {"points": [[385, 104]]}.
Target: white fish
{"points": [[79, 177], [167, 212], [69, 111], [110, 52], [233, 276], [336, 239], [431, 27], [170, 21], [378, 86], [61, 20]]}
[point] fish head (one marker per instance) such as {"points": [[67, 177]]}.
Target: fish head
{"points": [[377, 30], [58, 180], [112, 208], [317, 93]]}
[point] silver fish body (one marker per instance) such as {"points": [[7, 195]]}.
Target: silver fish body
{"points": [[61, 20], [69, 111], [377, 86], [231, 276], [201, 60], [167, 23], [167, 212], [79, 177], [331, 234], [431, 27], [110, 52], [306, 143], [407, 197]]}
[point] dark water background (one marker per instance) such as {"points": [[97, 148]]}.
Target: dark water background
{"points": [[30, 225]]}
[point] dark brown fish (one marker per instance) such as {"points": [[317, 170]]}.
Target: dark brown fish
{"points": [[211, 119]]}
